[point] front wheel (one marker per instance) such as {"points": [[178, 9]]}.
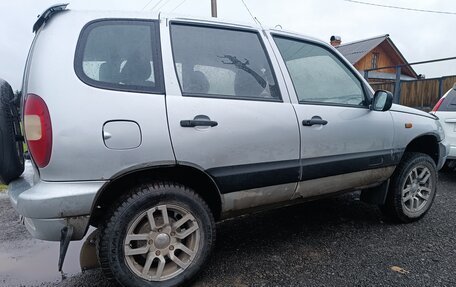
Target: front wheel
{"points": [[159, 235], [412, 188]]}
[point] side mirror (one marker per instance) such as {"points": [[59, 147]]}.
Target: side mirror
{"points": [[382, 102]]}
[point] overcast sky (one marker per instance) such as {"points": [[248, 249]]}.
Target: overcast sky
{"points": [[419, 36]]}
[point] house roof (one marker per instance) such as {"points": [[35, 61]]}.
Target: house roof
{"points": [[355, 51]]}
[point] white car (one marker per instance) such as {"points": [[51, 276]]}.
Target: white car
{"points": [[445, 109]]}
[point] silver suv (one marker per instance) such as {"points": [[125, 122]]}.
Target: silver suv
{"points": [[152, 128]]}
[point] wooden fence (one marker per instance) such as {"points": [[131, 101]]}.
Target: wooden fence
{"points": [[422, 94]]}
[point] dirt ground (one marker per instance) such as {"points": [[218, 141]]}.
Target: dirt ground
{"points": [[333, 242]]}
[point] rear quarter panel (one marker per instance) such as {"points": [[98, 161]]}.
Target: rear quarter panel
{"points": [[78, 111]]}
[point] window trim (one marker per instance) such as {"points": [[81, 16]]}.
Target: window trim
{"points": [[367, 99], [156, 56], [231, 28]]}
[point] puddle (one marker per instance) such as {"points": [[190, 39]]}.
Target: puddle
{"points": [[31, 261]]}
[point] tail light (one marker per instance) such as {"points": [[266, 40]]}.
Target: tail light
{"points": [[38, 129], [437, 106]]}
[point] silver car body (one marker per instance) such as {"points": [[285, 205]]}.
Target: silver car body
{"points": [[253, 137]]}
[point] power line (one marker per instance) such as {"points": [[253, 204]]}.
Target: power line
{"points": [[146, 5], [401, 8], [156, 4], [180, 4], [248, 10], [415, 63], [164, 4]]}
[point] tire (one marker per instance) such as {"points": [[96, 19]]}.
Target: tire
{"points": [[11, 150], [412, 188], [188, 238]]}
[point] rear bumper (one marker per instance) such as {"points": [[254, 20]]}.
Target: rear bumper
{"points": [[47, 207], [51, 229]]}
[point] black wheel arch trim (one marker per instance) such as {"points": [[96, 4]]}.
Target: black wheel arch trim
{"points": [[436, 135], [438, 138], [145, 168]]}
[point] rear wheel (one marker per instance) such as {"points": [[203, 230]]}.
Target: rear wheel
{"points": [[11, 148], [412, 188], [159, 235]]}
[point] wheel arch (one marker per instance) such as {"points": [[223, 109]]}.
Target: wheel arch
{"points": [[187, 175], [426, 143]]}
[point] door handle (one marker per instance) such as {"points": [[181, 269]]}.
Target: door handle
{"points": [[315, 120], [198, 121]]}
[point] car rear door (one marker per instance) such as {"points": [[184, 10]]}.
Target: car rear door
{"points": [[344, 144], [228, 113]]}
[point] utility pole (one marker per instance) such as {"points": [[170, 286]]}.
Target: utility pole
{"points": [[214, 8]]}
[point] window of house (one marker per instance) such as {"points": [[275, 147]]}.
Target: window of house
{"points": [[318, 75], [121, 55], [218, 62], [375, 60]]}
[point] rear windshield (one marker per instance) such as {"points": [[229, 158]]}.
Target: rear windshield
{"points": [[120, 55]]}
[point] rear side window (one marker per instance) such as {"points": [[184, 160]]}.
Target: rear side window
{"points": [[219, 62], [120, 55]]}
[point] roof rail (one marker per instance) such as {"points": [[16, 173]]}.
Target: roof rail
{"points": [[47, 14]]}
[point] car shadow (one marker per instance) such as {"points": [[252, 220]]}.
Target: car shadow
{"points": [[447, 176], [311, 219]]}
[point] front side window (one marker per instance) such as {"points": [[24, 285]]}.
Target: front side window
{"points": [[222, 63], [318, 75], [121, 55]]}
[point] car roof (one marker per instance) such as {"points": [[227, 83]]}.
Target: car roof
{"points": [[90, 15]]}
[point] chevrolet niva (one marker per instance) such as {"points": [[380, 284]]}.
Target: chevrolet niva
{"points": [[151, 128]]}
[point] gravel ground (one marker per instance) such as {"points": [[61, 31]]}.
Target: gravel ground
{"points": [[333, 242]]}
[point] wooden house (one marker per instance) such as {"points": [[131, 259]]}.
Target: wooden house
{"points": [[375, 53]]}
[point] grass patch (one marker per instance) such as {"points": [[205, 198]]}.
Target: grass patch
{"points": [[2, 187]]}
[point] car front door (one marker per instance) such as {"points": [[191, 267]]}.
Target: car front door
{"points": [[344, 144], [228, 114]]}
